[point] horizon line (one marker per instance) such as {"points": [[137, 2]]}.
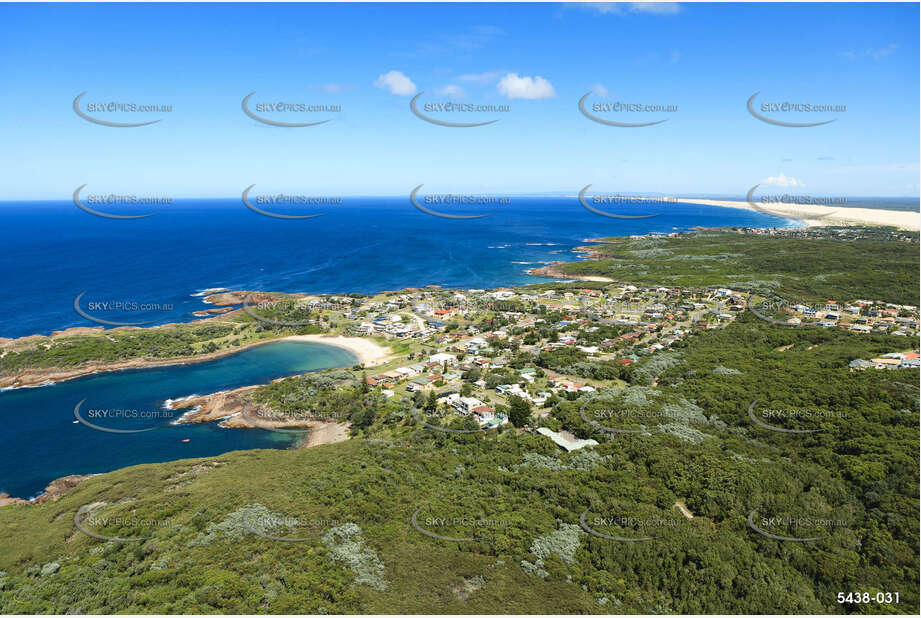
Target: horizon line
{"points": [[548, 194]]}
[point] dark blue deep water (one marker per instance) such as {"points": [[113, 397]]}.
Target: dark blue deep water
{"points": [[52, 251], [40, 441]]}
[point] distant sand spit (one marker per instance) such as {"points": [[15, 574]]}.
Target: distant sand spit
{"points": [[812, 215]]}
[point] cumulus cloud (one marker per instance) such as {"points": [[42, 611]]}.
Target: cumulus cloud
{"points": [[513, 86], [599, 90], [396, 83], [481, 78], [450, 91], [875, 54], [622, 8], [783, 181]]}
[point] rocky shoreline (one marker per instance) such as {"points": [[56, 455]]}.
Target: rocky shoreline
{"points": [[553, 271], [367, 351], [585, 252], [226, 407], [52, 375], [56, 489]]}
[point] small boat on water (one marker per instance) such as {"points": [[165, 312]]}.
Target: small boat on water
{"points": [[187, 440]]}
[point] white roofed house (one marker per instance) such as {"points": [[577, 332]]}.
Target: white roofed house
{"points": [[464, 405], [443, 358]]}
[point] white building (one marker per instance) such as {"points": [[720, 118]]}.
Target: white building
{"points": [[442, 358]]}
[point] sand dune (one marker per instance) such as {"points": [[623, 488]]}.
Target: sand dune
{"points": [[813, 215]]}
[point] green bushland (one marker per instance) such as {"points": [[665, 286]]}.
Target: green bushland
{"points": [[801, 269], [861, 470], [174, 341], [693, 441]]}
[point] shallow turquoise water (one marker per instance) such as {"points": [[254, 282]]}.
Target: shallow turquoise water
{"points": [[40, 440]]}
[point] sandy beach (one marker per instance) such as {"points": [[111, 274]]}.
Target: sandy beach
{"points": [[327, 433], [231, 409], [553, 271], [812, 215], [368, 352]]}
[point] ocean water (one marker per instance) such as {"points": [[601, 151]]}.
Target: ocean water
{"points": [[52, 251], [900, 204], [41, 441]]}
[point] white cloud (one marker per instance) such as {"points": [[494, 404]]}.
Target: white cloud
{"points": [[515, 87], [622, 8], [396, 83], [656, 8], [783, 181], [475, 38], [875, 54], [599, 90], [450, 91], [878, 168], [481, 78]]}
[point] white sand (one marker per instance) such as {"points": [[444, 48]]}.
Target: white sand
{"points": [[841, 216], [684, 509], [368, 352], [327, 433]]}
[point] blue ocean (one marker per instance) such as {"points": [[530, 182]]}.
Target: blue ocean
{"points": [[53, 251], [41, 440]]}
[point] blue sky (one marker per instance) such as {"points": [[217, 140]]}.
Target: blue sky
{"points": [[539, 59]]}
